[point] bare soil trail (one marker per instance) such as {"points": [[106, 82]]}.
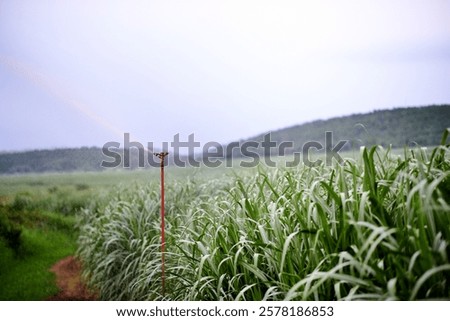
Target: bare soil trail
{"points": [[68, 279]]}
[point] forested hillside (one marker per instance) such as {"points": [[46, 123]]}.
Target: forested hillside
{"points": [[413, 126], [54, 160]]}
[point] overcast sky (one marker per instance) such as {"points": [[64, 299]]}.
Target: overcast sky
{"points": [[81, 73]]}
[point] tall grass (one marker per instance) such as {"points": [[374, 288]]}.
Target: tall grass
{"points": [[374, 228]]}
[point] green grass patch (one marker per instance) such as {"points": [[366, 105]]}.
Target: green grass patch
{"points": [[37, 228], [26, 275]]}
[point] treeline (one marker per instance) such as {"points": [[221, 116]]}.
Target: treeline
{"points": [[84, 159], [54, 160]]}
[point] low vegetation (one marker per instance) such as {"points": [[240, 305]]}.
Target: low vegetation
{"points": [[30, 242], [37, 225], [373, 228], [37, 228]]}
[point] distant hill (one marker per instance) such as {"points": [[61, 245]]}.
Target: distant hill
{"points": [[87, 159], [413, 126], [398, 127], [54, 160]]}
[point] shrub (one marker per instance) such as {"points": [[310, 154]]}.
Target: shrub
{"points": [[10, 232]]}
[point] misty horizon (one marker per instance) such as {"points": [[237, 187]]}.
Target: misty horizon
{"points": [[74, 75]]}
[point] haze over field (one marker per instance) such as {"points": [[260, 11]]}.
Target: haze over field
{"points": [[82, 73]]}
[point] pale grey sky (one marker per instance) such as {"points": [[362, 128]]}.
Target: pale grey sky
{"points": [[81, 73]]}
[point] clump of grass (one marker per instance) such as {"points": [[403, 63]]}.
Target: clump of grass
{"points": [[374, 228], [81, 187], [10, 232], [23, 201]]}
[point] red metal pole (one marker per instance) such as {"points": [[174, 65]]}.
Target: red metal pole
{"points": [[163, 238]]}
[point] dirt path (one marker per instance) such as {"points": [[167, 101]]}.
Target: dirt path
{"points": [[68, 279]]}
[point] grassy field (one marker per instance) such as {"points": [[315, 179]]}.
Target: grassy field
{"points": [[38, 214], [374, 228], [37, 226]]}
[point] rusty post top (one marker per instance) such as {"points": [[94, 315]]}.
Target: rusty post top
{"points": [[161, 155]]}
